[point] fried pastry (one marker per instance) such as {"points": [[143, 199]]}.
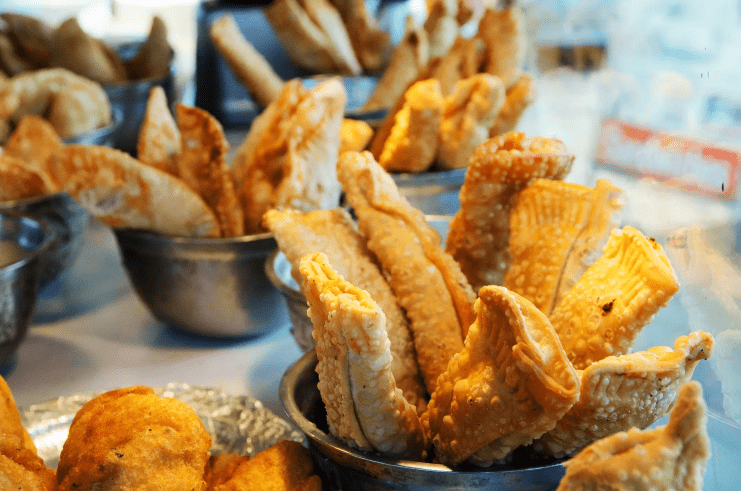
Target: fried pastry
{"points": [[557, 230], [469, 112], [673, 456], [499, 168], [503, 32], [286, 466], [621, 392], [519, 97], [355, 134], [152, 59], [10, 418], [159, 141], [442, 26], [463, 60], [77, 109], [124, 193], [10, 61], [18, 180], [202, 165], [426, 281], [314, 35], [365, 408], [510, 384], [614, 298], [288, 158], [246, 63], [220, 469], [371, 43], [21, 469], [413, 141], [132, 439], [31, 35], [33, 141], [407, 61], [85, 55], [334, 233]]}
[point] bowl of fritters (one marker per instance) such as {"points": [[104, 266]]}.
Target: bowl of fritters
{"points": [[213, 287], [23, 244], [346, 468]]}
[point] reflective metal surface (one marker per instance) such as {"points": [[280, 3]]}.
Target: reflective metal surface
{"points": [[237, 424], [433, 192], [346, 469], [210, 287], [23, 241], [66, 219]]}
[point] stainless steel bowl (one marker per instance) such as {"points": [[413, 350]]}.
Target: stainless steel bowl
{"points": [[278, 271], [23, 242], [210, 287], [433, 192], [343, 468], [105, 136], [68, 222]]}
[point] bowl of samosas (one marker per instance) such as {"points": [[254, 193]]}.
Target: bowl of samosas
{"points": [[23, 243]]}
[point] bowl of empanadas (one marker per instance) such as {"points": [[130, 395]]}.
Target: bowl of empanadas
{"points": [[505, 346]]}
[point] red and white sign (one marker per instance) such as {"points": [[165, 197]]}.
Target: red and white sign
{"points": [[669, 158]]}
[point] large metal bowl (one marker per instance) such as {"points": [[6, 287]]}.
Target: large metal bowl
{"points": [[210, 287], [23, 242], [343, 468], [68, 222]]}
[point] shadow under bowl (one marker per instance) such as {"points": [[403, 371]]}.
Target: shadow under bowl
{"points": [[210, 287], [23, 243], [67, 222], [347, 469]]}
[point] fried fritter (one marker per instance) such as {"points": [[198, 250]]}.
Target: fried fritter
{"points": [[159, 141], [133, 439], [10, 419], [21, 469]]}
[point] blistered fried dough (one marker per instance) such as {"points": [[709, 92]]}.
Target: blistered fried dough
{"points": [[21, 469], [557, 231], [31, 35], [152, 60], [622, 392], [18, 180], [500, 167], [510, 384], [469, 113], [11, 61], [10, 418], [371, 43], [202, 165], [442, 26], [77, 109], [309, 29], [124, 193], [355, 134], [246, 63], [159, 141], [408, 59], [221, 468], [427, 282], [288, 158], [669, 457], [365, 408], [503, 31], [519, 97], [286, 466], [30, 93], [133, 439], [33, 141], [84, 55], [614, 298], [413, 142], [334, 233]]}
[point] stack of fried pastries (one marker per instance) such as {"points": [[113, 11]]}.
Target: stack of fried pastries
{"points": [[132, 439], [502, 369]]}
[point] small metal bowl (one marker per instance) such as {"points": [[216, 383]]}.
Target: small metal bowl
{"points": [[105, 136], [278, 271], [23, 243], [346, 469], [68, 222], [210, 287]]}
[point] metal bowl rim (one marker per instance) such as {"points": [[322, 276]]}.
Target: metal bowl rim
{"points": [[48, 238], [286, 390]]}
